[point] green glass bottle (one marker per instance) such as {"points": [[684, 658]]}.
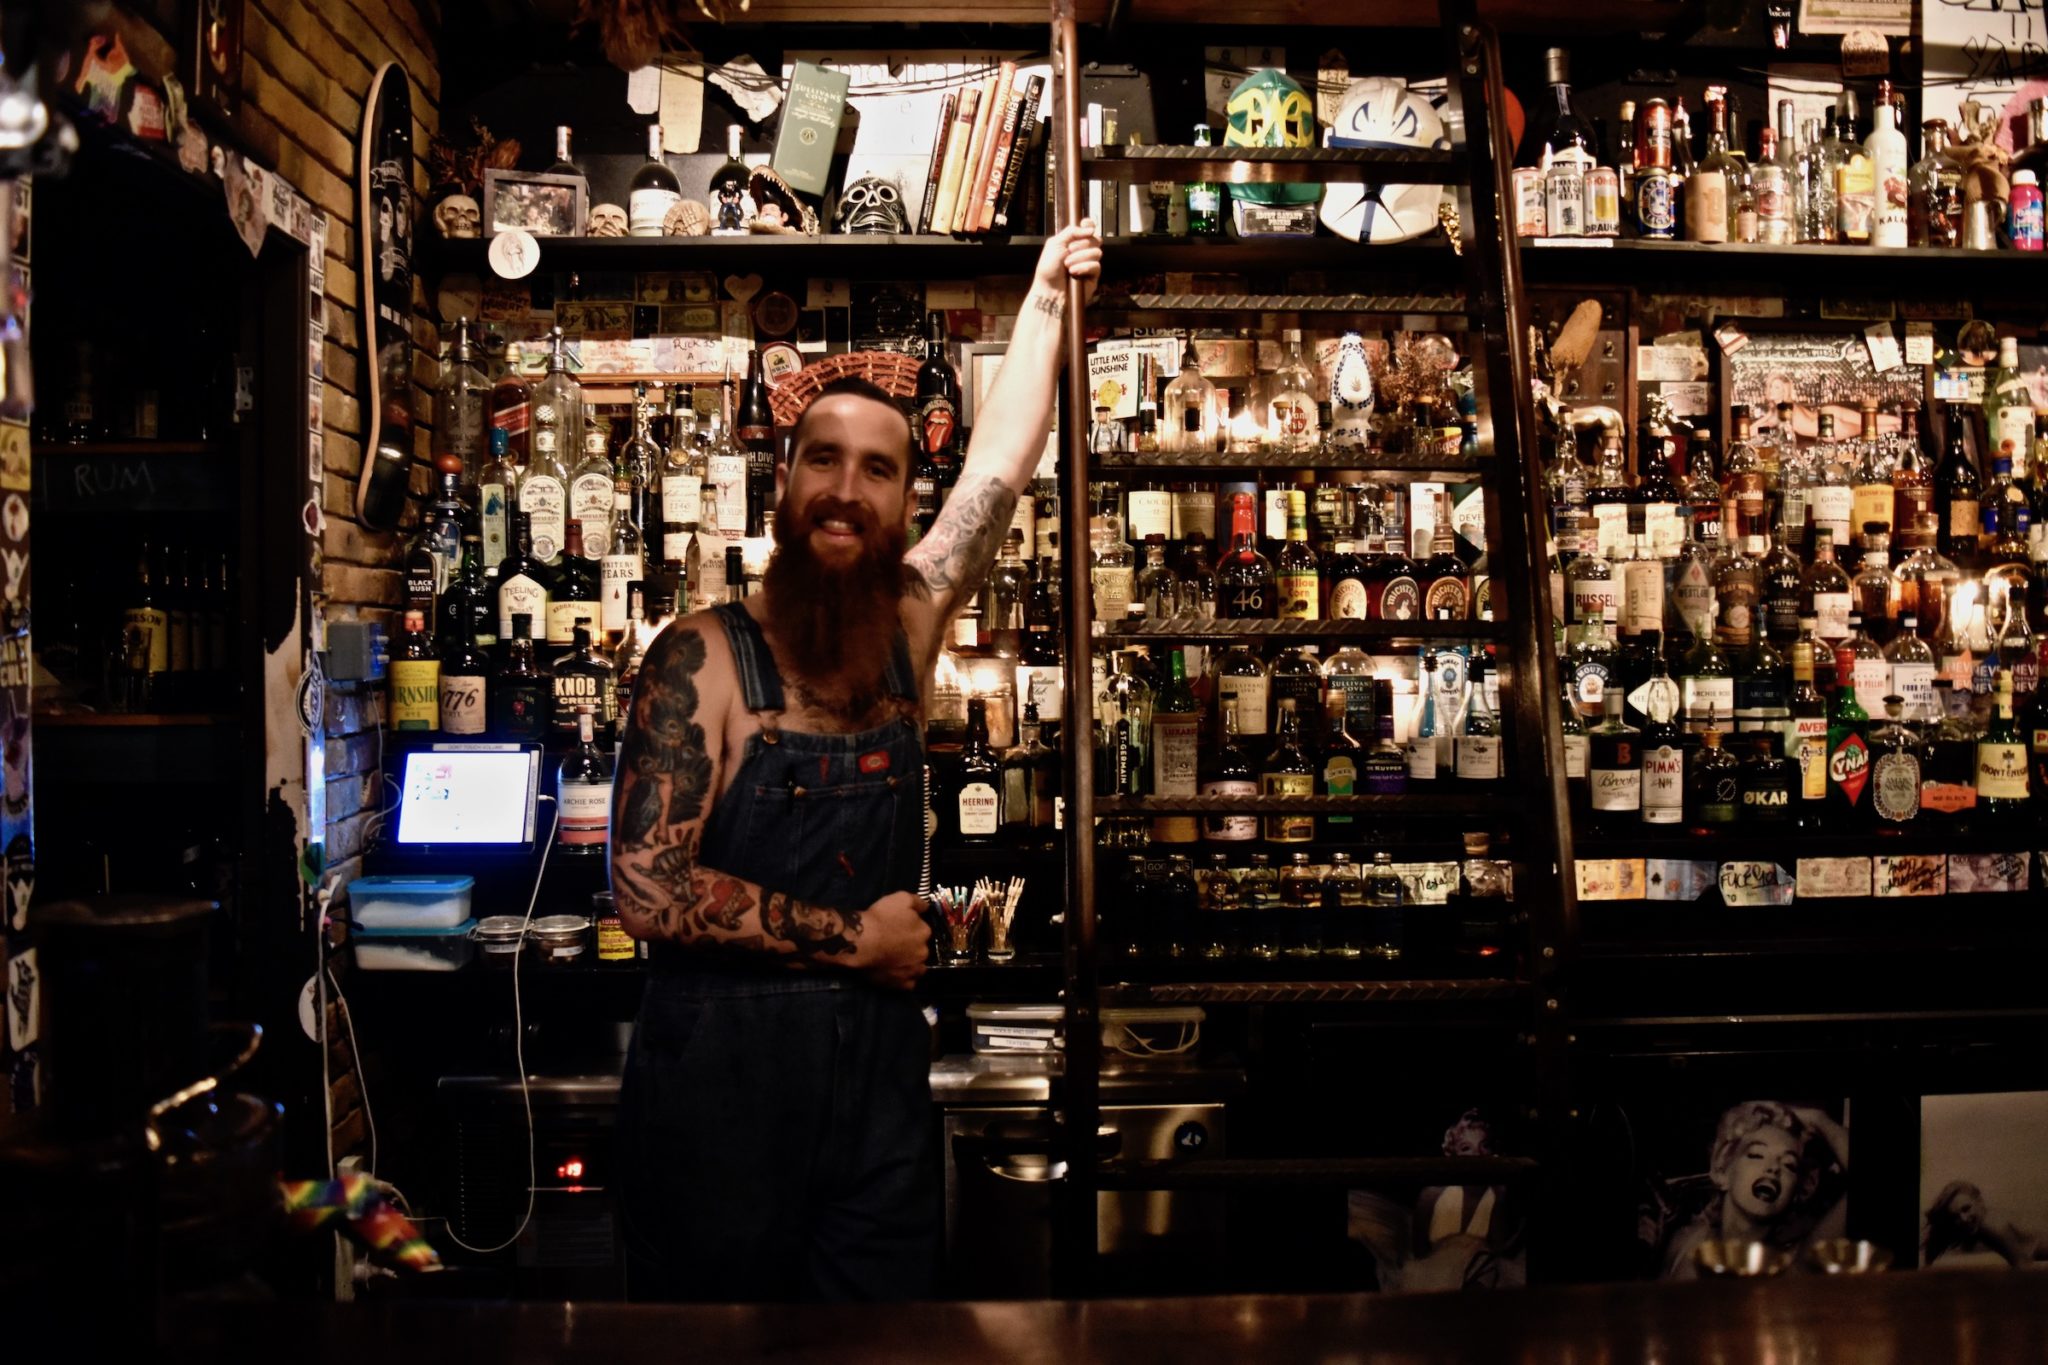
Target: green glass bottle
{"points": [[1848, 761]]}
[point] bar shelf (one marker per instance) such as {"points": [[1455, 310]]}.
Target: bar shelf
{"points": [[1389, 304], [1207, 462], [1403, 992], [1275, 165], [1196, 628], [1428, 806]]}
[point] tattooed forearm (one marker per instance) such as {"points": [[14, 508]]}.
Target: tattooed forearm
{"points": [[1052, 305], [813, 930], [963, 542]]}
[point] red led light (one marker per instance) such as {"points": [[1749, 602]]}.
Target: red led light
{"points": [[572, 1169]]}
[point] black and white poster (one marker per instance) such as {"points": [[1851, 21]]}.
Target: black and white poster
{"points": [[1446, 1236], [1984, 1181]]}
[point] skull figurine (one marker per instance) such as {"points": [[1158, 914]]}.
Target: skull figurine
{"points": [[686, 218], [606, 220], [871, 204], [459, 216]]}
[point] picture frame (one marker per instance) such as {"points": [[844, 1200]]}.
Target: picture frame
{"points": [[979, 361], [544, 205]]}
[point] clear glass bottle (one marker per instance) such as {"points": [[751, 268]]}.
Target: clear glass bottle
{"points": [[1478, 749], [1710, 191], [1123, 718], [1112, 570], [1204, 197], [1292, 424], [1188, 425], [590, 490], [1158, 586], [465, 393], [1816, 186], [1934, 206], [544, 483]]}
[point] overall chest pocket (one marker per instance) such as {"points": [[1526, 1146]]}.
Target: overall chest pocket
{"points": [[835, 835]]}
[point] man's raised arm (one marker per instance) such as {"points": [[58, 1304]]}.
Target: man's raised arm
{"points": [[668, 777], [1009, 431]]}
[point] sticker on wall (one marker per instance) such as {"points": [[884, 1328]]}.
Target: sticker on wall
{"points": [[514, 254], [1755, 883], [146, 114], [1970, 873], [775, 314], [1824, 878], [14, 461], [103, 74], [24, 1001], [246, 189], [21, 880], [1918, 874]]}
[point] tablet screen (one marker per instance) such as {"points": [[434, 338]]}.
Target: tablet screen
{"points": [[481, 794]]}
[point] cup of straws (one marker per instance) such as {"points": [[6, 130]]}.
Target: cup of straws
{"points": [[964, 909]]}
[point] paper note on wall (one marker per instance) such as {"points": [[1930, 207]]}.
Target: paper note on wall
{"points": [[1822, 878], [1913, 874], [1755, 883], [682, 107], [1982, 50], [1970, 873]]}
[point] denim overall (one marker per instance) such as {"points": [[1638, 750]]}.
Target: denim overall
{"points": [[775, 1126]]}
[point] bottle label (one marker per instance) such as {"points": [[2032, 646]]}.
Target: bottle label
{"points": [[148, 638], [1707, 698], [1298, 596], [1478, 757], [573, 689], [1873, 502], [1400, 600], [1248, 697], [1564, 198], [937, 423], [1421, 753], [1618, 788], [1693, 595], [1872, 679], [1447, 594], [1895, 787], [2016, 431], [1610, 520], [1663, 785], [1849, 766], [1292, 827], [1706, 206], [1194, 510], [1151, 513], [1642, 596], [728, 476], [1766, 803], [1276, 514], [615, 572], [562, 617], [1663, 532], [585, 813], [1230, 829], [1340, 778], [1773, 202], [1575, 749], [1947, 798], [491, 510], [416, 694], [647, 211], [520, 594], [980, 809], [1810, 747], [462, 703], [590, 502], [1914, 683], [1112, 593], [541, 498], [1348, 600], [1964, 520], [1831, 616], [2001, 771], [1832, 506], [1174, 753]]}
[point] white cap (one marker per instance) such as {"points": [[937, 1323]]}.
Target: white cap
{"points": [[2025, 178], [1294, 333]]}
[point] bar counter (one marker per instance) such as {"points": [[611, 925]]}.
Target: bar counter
{"points": [[1938, 1318]]}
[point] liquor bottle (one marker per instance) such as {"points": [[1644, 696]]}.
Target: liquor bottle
{"points": [[1872, 592], [1297, 576], [1934, 188], [1246, 586], [524, 585], [1124, 724], [583, 677], [1767, 782], [497, 498], [974, 814], [1301, 906], [1848, 761], [1112, 570], [1288, 772], [1911, 662], [1923, 581], [1347, 927], [1815, 186], [754, 427], [583, 791], [1860, 666], [564, 163], [1426, 753], [935, 406], [1292, 424], [653, 192], [1392, 581], [1175, 745], [464, 393], [1568, 150], [1157, 587], [623, 564], [1188, 422], [1948, 784], [1708, 198], [682, 499], [511, 408], [1737, 594], [1706, 683], [576, 592], [728, 187], [1713, 785], [544, 483], [415, 677], [590, 491], [1662, 748], [1781, 590], [1614, 769], [463, 681], [2002, 762], [2033, 725], [1886, 148], [1958, 493], [1446, 588], [1572, 726], [1855, 177], [1806, 733], [1385, 896], [1385, 765], [1228, 771], [1912, 483], [1774, 178], [631, 649], [1872, 496], [1295, 673], [1477, 749], [521, 700], [1205, 200], [2009, 408], [1031, 781], [1341, 761], [1895, 768], [469, 607]]}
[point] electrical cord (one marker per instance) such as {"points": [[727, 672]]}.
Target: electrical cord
{"points": [[519, 1055], [348, 1018]]}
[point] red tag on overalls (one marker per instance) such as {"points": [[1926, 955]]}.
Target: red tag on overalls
{"points": [[876, 762]]}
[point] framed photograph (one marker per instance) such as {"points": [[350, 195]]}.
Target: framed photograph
{"points": [[979, 361], [544, 205], [1983, 1191]]}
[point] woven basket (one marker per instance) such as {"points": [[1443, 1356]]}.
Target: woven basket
{"points": [[894, 373]]}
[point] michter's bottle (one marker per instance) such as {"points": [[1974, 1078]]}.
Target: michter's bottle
{"points": [[416, 678]]}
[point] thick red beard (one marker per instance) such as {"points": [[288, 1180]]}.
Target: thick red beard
{"points": [[835, 623]]}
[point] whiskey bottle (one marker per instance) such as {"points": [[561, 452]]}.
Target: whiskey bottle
{"points": [[622, 566], [975, 816], [464, 679], [1392, 581], [1614, 766], [1713, 785], [521, 700], [1340, 759], [1386, 897], [583, 791], [415, 677], [1031, 780], [631, 649], [1958, 496], [1157, 587], [1288, 772], [1301, 906], [1297, 574], [497, 497], [1346, 926], [1446, 588], [2002, 763], [1948, 786], [575, 593], [1246, 587], [583, 677], [1228, 772]]}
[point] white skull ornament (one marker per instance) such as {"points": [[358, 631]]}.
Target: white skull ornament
{"points": [[459, 216], [871, 204], [606, 220]]}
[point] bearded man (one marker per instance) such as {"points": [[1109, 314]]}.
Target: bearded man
{"points": [[776, 1127]]}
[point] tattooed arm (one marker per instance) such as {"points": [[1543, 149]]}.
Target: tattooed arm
{"points": [[1009, 434], [668, 776]]}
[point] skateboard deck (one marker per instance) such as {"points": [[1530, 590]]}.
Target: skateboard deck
{"points": [[384, 227]]}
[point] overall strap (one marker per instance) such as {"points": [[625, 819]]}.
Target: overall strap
{"points": [[898, 677], [759, 679]]}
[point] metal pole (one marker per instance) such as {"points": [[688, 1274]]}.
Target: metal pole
{"points": [[1074, 1237]]}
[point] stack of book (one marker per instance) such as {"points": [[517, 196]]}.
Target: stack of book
{"points": [[984, 138]]}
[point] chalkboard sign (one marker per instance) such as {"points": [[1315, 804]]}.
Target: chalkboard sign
{"points": [[131, 483]]}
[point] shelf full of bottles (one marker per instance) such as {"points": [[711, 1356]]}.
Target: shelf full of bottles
{"points": [[1819, 651]]}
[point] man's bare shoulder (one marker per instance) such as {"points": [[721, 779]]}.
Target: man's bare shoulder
{"points": [[692, 654]]}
